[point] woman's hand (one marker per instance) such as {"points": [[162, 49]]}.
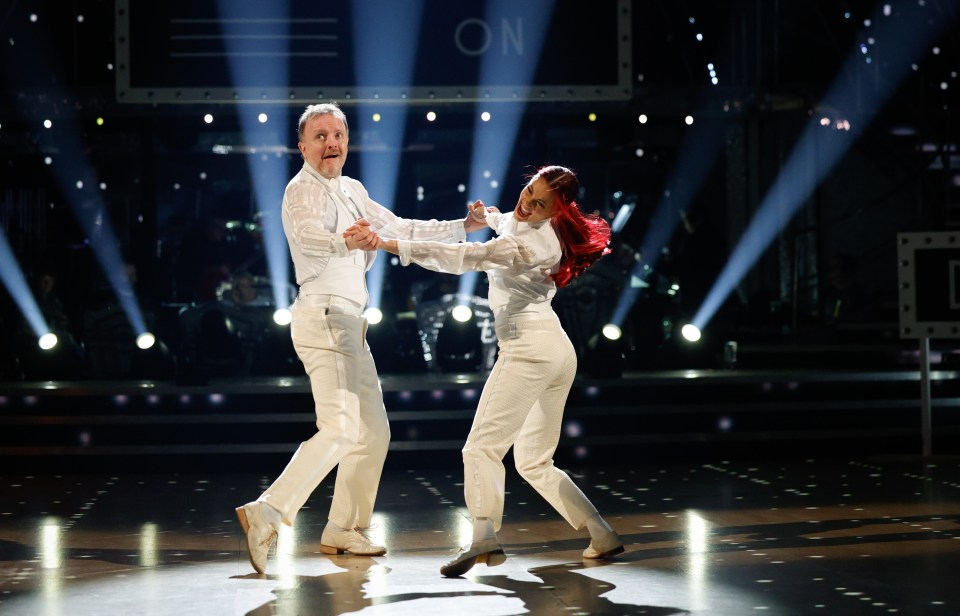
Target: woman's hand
{"points": [[476, 218]]}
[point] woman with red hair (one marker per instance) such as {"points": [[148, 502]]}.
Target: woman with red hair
{"points": [[543, 244]]}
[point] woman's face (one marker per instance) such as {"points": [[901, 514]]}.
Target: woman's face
{"points": [[536, 202]]}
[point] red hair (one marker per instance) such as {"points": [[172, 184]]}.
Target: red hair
{"points": [[584, 238]]}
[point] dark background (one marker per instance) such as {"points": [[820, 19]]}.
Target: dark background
{"points": [[169, 197]]}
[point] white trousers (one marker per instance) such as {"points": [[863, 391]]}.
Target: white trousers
{"points": [[522, 406], [352, 428]]}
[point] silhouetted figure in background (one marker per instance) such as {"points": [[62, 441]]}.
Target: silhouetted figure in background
{"points": [[844, 299]]}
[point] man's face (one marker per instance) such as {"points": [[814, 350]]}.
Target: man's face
{"points": [[324, 144]]}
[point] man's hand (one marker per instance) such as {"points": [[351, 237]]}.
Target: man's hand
{"points": [[361, 237]]}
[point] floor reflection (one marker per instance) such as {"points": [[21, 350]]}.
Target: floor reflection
{"points": [[711, 539]]}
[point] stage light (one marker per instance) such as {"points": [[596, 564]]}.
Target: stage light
{"points": [[282, 316], [688, 120], [373, 315], [208, 118], [99, 121], [611, 331], [47, 160], [643, 118], [485, 116], [461, 313], [623, 215], [375, 117], [690, 332], [592, 117], [47, 341], [431, 116], [47, 124], [146, 340]]}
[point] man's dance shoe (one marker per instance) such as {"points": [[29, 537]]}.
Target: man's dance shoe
{"points": [[260, 534], [336, 540]]}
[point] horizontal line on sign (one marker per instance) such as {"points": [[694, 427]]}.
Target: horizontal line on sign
{"points": [[255, 20], [203, 37], [255, 54]]}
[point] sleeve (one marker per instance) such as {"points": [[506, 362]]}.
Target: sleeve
{"points": [[313, 220], [390, 226], [495, 220], [508, 253]]}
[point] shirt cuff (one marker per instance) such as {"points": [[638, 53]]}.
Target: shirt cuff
{"points": [[403, 251]]}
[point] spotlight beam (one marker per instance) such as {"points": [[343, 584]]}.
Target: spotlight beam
{"points": [[77, 180], [698, 152], [16, 285], [521, 45], [912, 31], [268, 174], [384, 55]]}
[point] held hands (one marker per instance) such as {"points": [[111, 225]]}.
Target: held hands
{"points": [[476, 218], [361, 236]]}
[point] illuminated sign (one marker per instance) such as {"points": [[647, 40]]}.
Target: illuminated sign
{"points": [[182, 51], [929, 279]]}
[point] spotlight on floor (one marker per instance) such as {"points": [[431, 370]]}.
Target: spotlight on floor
{"points": [[47, 341], [462, 313], [690, 332], [282, 316], [373, 315], [146, 340], [611, 331]]}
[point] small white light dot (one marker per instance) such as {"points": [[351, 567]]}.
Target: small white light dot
{"points": [[263, 118], [103, 185], [176, 186], [461, 188], [431, 116], [109, 66], [80, 19], [33, 17], [47, 124], [47, 160], [208, 118], [639, 152], [203, 175], [494, 184], [485, 116], [688, 120], [79, 184], [643, 118]]}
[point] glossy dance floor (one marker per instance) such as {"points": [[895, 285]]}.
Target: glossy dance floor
{"points": [[796, 537]]}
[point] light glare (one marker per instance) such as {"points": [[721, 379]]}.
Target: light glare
{"points": [[373, 315], [611, 332], [690, 332], [282, 316], [462, 313]]}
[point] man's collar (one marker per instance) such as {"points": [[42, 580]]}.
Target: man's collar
{"points": [[330, 184]]}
